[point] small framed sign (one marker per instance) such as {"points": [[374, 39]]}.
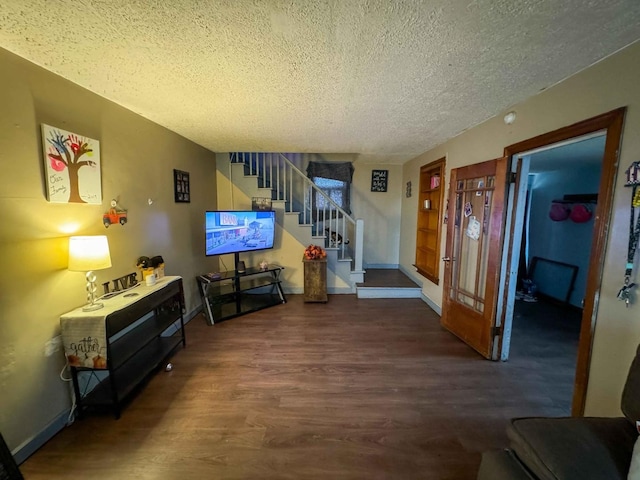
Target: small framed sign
{"points": [[260, 203], [181, 188], [379, 180]]}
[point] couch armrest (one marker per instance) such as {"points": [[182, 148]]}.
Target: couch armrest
{"points": [[502, 465]]}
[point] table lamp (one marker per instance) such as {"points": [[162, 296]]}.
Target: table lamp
{"points": [[86, 254]]}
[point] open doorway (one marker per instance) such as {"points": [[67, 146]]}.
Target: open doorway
{"points": [[557, 225], [610, 124], [483, 317]]}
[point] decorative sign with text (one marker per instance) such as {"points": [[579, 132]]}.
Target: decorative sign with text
{"points": [[379, 180], [182, 189]]}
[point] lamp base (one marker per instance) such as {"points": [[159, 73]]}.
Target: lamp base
{"points": [[91, 294], [92, 306]]}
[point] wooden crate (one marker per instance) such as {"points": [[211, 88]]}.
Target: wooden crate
{"points": [[315, 280]]}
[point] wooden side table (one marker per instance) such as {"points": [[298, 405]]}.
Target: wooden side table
{"points": [[315, 280]]}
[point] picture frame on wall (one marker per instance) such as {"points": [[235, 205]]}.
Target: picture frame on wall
{"points": [[260, 204], [181, 187], [379, 180], [71, 167]]}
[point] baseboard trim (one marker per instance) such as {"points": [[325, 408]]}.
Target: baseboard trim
{"points": [[412, 274], [31, 445], [382, 266], [293, 290], [330, 291], [186, 318], [340, 290], [431, 304]]}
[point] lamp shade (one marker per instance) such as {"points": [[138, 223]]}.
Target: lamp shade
{"points": [[89, 253]]}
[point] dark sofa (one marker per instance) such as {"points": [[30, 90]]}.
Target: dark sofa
{"points": [[580, 448]]}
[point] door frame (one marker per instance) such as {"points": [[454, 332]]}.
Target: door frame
{"points": [[612, 123]]}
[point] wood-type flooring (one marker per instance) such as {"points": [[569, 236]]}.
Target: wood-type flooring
{"points": [[394, 278], [350, 389]]}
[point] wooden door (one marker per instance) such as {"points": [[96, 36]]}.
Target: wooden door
{"points": [[472, 260]]}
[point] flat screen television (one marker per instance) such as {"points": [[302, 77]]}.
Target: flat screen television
{"points": [[238, 231]]}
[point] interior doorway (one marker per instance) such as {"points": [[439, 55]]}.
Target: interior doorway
{"points": [[610, 125], [562, 183]]}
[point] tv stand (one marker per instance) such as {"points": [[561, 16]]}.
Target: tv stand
{"points": [[230, 294], [240, 268]]}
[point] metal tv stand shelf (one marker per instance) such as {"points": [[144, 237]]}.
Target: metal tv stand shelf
{"points": [[230, 294]]}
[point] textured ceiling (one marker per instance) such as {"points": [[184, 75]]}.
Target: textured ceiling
{"points": [[386, 80]]}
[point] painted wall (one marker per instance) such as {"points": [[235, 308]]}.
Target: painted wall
{"points": [[565, 241], [380, 212], [605, 86], [138, 158], [232, 188]]}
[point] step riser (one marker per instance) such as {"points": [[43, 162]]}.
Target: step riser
{"points": [[383, 292], [340, 279]]}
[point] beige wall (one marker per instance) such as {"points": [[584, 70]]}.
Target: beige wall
{"points": [[380, 212], [608, 85], [287, 250], [234, 193], [138, 158]]}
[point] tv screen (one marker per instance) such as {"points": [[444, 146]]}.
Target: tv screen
{"points": [[233, 231]]}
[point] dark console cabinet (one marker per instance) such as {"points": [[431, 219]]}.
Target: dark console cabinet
{"points": [[229, 294], [140, 337]]}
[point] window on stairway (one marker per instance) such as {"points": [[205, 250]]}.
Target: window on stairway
{"points": [[334, 179], [335, 189]]}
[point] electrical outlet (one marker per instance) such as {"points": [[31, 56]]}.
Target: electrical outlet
{"points": [[53, 345]]}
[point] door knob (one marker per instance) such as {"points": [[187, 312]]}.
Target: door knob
{"points": [[446, 259]]}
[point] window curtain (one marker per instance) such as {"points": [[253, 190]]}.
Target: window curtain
{"points": [[341, 171]]}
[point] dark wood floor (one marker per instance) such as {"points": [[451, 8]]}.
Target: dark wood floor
{"points": [[380, 277], [350, 389]]}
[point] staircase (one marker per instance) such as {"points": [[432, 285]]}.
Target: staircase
{"points": [[275, 176]]}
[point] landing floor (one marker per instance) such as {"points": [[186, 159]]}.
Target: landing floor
{"points": [[380, 277]]}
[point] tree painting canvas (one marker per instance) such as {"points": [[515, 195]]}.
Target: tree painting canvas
{"points": [[72, 167]]}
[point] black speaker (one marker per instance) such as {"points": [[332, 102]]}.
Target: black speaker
{"points": [[240, 268]]}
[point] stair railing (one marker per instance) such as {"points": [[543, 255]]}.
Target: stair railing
{"points": [[287, 182]]}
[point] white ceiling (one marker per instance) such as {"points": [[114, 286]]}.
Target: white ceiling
{"points": [[386, 80]]}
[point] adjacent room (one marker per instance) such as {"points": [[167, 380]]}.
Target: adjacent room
{"points": [[312, 240]]}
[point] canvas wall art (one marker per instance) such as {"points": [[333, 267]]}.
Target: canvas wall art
{"points": [[72, 167]]}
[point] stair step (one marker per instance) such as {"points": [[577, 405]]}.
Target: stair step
{"points": [[388, 292], [258, 184]]}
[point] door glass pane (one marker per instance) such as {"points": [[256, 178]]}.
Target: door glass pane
{"points": [[474, 199]]}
